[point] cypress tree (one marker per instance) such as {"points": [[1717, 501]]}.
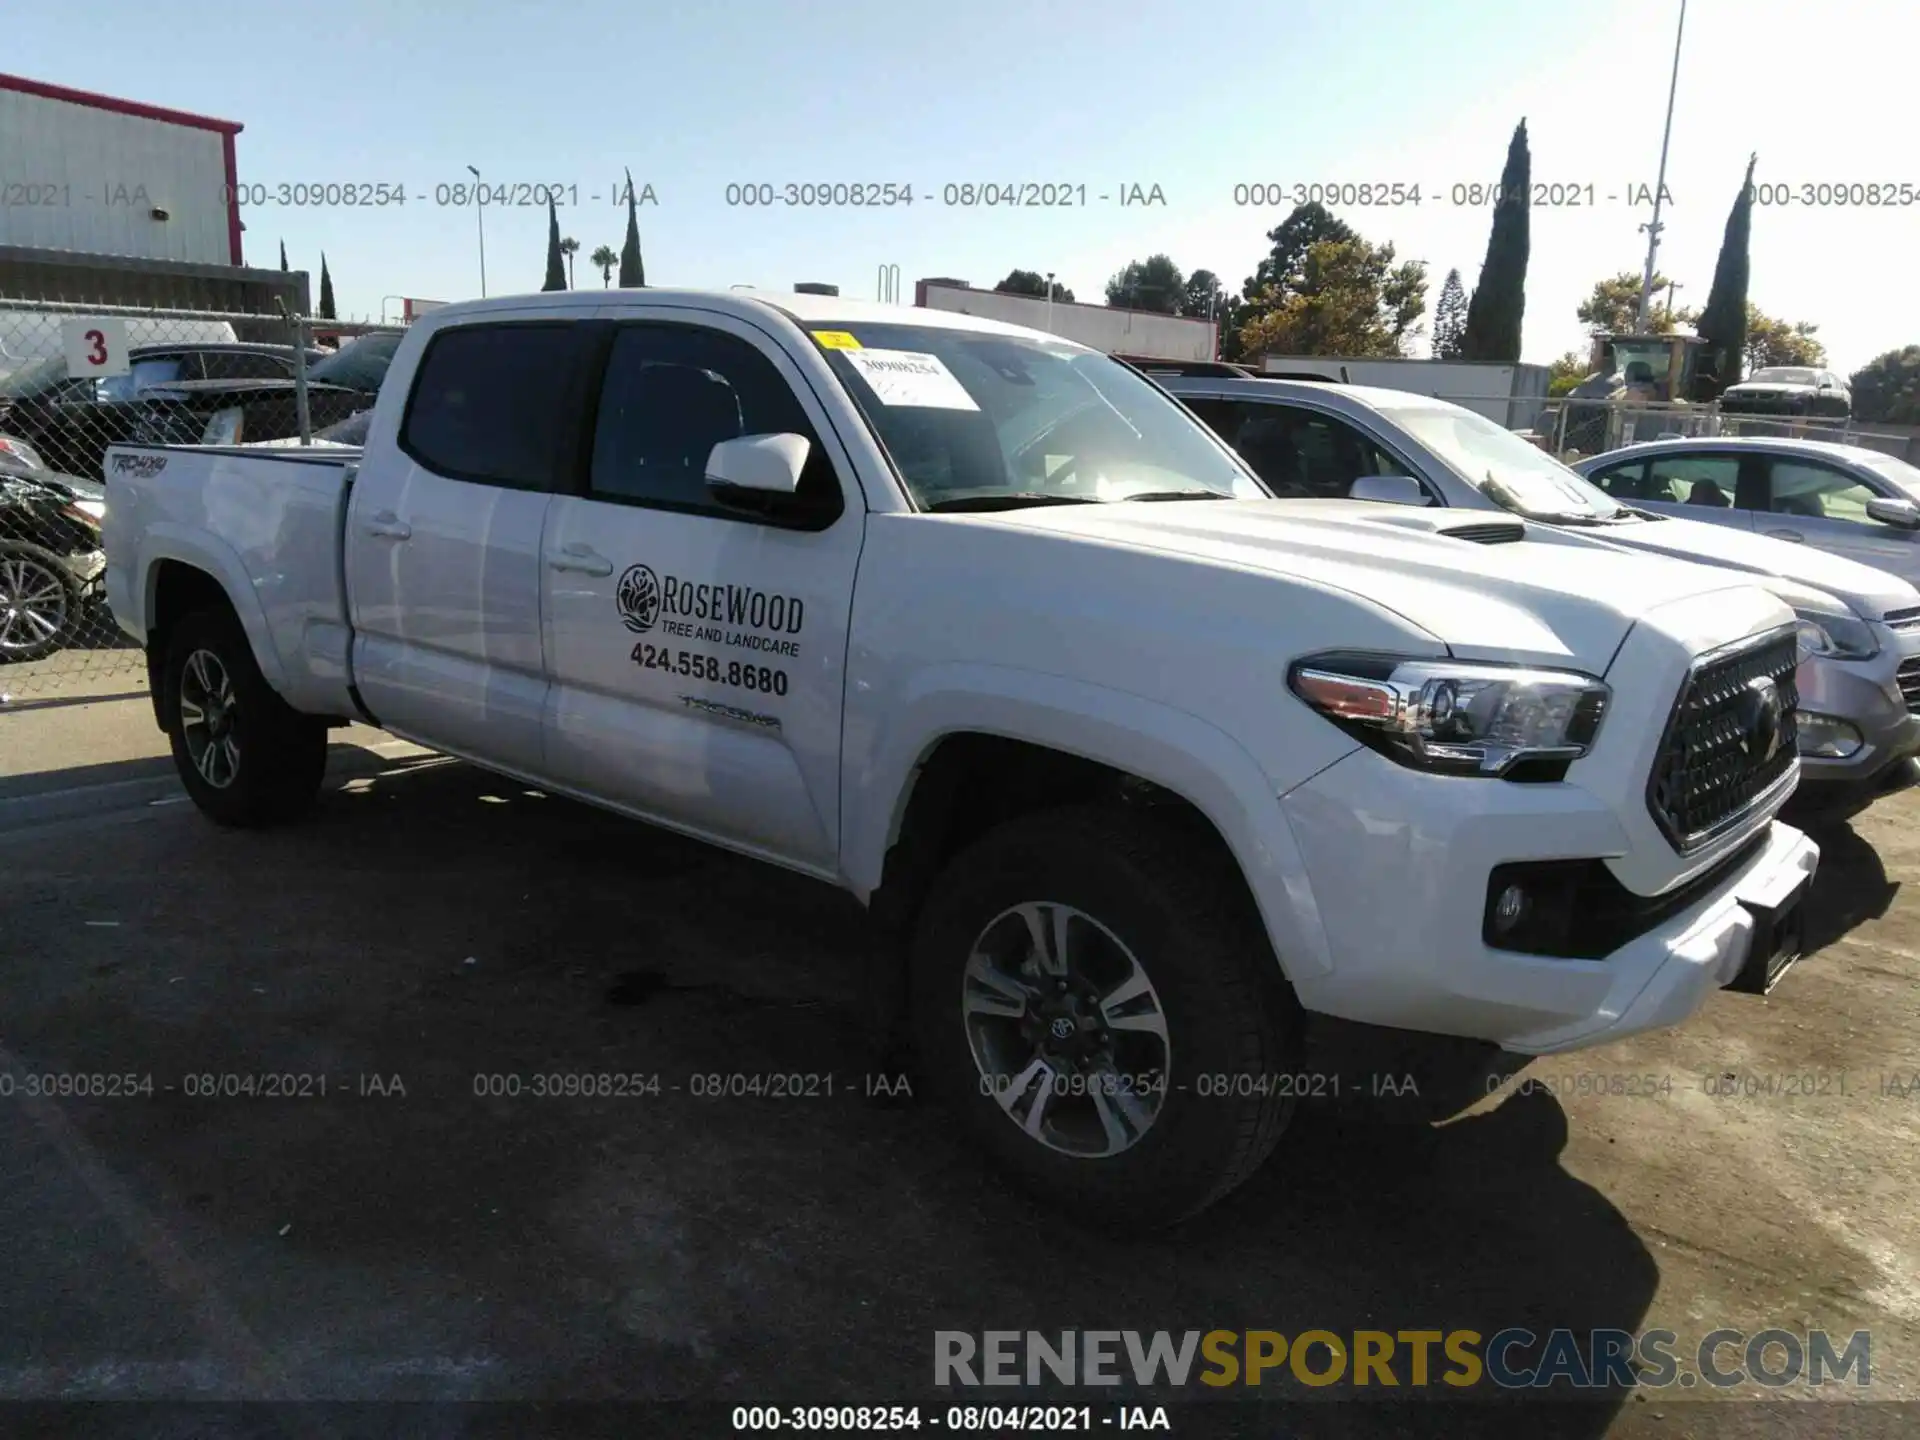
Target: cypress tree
{"points": [[556, 266], [283, 255], [1499, 300], [326, 290], [633, 275], [1723, 320]]}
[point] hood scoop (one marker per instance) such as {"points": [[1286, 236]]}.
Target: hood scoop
{"points": [[1491, 532]]}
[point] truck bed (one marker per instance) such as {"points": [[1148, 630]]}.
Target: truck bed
{"points": [[266, 524]]}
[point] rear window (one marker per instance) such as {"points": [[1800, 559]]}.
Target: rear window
{"points": [[492, 403]]}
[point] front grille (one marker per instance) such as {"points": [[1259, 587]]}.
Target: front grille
{"points": [[1908, 678], [1493, 533], [1713, 766], [1902, 620]]}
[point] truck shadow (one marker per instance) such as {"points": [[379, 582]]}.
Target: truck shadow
{"points": [[438, 924]]}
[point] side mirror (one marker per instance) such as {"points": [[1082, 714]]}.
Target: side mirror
{"points": [[1389, 489], [767, 464], [1901, 514]]}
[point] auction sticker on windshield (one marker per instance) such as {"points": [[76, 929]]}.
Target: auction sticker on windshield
{"points": [[836, 340], [908, 377]]}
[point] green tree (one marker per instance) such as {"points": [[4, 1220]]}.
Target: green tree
{"points": [[326, 290], [1032, 282], [1154, 283], [283, 255], [1614, 306], [1723, 319], [1776, 342], [1886, 390], [1499, 301], [1566, 372], [556, 262], [633, 274], [1203, 297], [1304, 227], [569, 247], [606, 259], [1351, 299], [1450, 318]]}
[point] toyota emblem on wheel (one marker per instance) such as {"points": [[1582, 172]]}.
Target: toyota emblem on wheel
{"points": [[638, 596]]}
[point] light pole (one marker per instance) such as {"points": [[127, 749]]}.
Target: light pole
{"points": [[1050, 302], [480, 213], [1672, 285], [1652, 227]]}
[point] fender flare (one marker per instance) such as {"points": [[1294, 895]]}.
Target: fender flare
{"points": [[1172, 748], [207, 553]]}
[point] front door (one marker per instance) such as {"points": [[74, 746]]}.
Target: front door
{"points": [[698, 652], [1824, 506], [443, 539]]}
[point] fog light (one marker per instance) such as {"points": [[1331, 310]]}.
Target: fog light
{"points": [[1828, 737], [1509, 909]]}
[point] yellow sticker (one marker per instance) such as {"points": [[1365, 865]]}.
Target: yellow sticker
{"points": [[836, 340]]}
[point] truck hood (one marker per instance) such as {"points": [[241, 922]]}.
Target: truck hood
{"points": [[1515, 600], [1868, 592]]}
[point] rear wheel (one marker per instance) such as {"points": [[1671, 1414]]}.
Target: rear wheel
{"points": [[245, 756], [1093, 999], [39, 602]]}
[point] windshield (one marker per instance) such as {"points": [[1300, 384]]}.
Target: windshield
{"points": [[972, 420], [1513, 473], [1642, 362], [1784, 375], [32, 379], [1898, 471], [359, 364], [162, 370]]}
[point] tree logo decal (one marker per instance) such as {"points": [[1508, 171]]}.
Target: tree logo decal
{"points": [[638, 596]]}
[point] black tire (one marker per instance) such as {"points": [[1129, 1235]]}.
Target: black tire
{"points": [[33, 573], [278, 755], [1232, 1023]]}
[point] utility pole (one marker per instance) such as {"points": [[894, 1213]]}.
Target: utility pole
{"points": [[1653, 227], [1050, 302], [480, 213]]}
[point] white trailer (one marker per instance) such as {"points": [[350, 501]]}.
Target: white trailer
{"points": [[1101, 327], [1509, 395]]}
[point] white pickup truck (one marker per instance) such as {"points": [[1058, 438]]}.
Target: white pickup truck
{"points": [[1137, 767]]}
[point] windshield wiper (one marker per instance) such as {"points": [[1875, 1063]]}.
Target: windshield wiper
{"points": [[1181, 495], [1008, 500]]}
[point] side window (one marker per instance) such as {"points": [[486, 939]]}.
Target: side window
{"points": [[495, 404], [673, 392], [245, 365], [1307, 456], [1627, 482], [1710, 481], [1817, 493]]}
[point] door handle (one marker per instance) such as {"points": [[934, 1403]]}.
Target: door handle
{"points": [[1793, 535], [388, 525], [581, 559]]}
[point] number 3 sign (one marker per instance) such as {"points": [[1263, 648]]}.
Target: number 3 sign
{"points": [[94, 347]]}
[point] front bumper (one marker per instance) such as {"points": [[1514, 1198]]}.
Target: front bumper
{"points": [[1866, 694], [1399, 865]]}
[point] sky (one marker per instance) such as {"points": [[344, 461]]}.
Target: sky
{"points": [[1193, 99]]}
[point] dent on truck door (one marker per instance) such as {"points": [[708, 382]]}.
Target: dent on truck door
{"points": [[698, 653], [443, 541]]}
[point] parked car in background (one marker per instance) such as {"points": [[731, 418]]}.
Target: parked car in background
{"points": [[235, 412], [72, 420], [1843, 499], [1138, 767], [349, 433], [1859, 675], [51, 562], [359, 365], [1789, 390], [29, 336]]}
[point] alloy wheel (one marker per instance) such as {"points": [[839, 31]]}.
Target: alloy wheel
{"points": [[207, 706], [33, 604]]}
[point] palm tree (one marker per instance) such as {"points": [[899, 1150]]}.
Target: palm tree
{"points": [[567, 248], [606, 257]]}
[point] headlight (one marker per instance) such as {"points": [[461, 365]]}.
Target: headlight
{"points": [[1453, 717], [1835, 633]]}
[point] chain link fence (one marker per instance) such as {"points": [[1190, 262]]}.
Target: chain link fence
{"points": [[1574, 428], [76, 379]]}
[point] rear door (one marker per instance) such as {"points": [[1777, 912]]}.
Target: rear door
{"points": [[443, 537], [698, 653], [1825, 506]]}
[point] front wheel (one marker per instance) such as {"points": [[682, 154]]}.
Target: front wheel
{"points": [[39, 603], [245, 756], [1093, 998]]}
